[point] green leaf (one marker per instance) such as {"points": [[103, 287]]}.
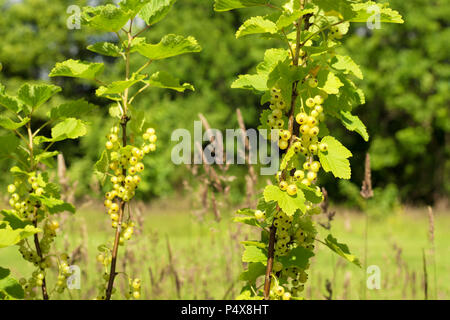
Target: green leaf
{"points": [[9, 144], [156, 10], [340, 8], [311, 194], [109, 18], [77, 69], [72, 109], [165, 80], [105, 48], [251, 221], [11, 103], [331, 84], [353, 123], [102, 167], [288, 204], [36, 95], [346, 64], [227, 5], [386, 14], [8, 124], [14, 220], [251, 82], [256, 25], [335, 159], [272, 57], [288, 18], [9, 236], [118, 87], [254, 254], [170, 46], [9, 286], [55, 205], [253, 272], [297, 257], [341, 249], [45, 155], [287, 158], [70, 128]]}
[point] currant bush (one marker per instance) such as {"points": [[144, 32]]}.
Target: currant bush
{"points": [[303, 83]]}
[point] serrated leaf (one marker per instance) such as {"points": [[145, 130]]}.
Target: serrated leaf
{"points": [[14, 220], [256, 25], [272, 57], [353, 123], [386, 14], [340, 8], [170, 46], [346, 64], [227, 5], [9, 286], [341, 249], [156, 10], [311, 194], [288, 204], [36, 95], [117, 87], [45, 155], [251, 82], [288, 18], [287, 158], [106, 49], [70, 128], [108, 18], [9, 236], [165, 80], [254, 254], [8, 124], [102, 167], [335, 159], [251, 221], [253, 272], [72, 109], [77, 69], [297, 257], [11, 103], [331, 84]]}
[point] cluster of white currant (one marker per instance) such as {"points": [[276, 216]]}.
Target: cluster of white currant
{"points": [[36, 280], [24, 206], [288, 281], [135, 289], [275, 119], [126, 163], [63, 273]]}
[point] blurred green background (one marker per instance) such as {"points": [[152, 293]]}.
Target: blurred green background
{"points": [[406, 83]]}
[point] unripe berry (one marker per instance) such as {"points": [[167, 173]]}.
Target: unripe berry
{"points": [[152, 147], [39, 191], [153, 138], [314, 131], [285, 134], [129, 180], [315, 166], [299, 174], [136, 294], [311, 121], [311, 176], [301, 118], [304, 129], [35, 185], [323, 147], [277, 266], [259, 214], [318, 108], [292, 190], [146, 136], [306, 166], [279, 291], [109, 145], [133, 161], [286, 296], [151, 131], [11, 188], [283, 185], [318, 99], [15, 197], [314, 113], [313, 148], [306, 182], [310, 102], [312, 82], [113, 138], [277, 114], [283, 144], [140, 167]]}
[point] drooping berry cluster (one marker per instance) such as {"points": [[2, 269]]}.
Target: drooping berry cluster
{"points": [[126, 164], [275, 120]]}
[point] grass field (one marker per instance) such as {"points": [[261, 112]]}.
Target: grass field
{"points": [[203, 261]]}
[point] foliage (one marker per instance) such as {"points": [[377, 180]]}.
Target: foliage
{"points": [[304, 84], [121, 161]]}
